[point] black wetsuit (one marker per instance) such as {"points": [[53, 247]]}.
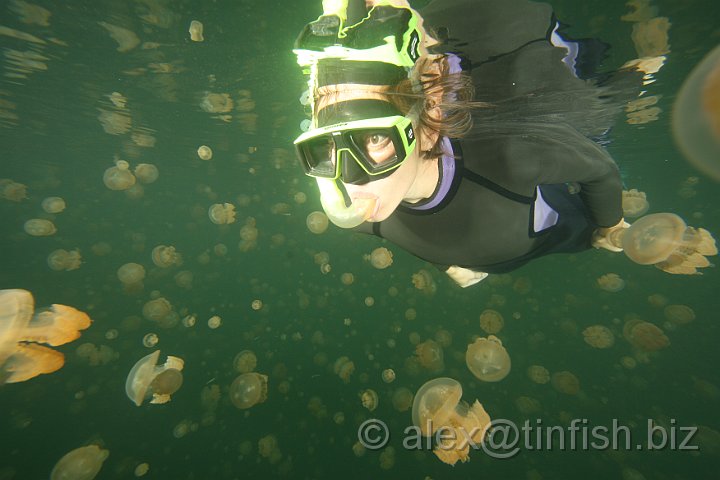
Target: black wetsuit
{"points": [[535, 136]]}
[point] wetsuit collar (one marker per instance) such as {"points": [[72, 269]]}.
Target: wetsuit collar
{"points": [[446, 167]]}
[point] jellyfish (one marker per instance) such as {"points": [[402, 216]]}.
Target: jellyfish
{"points": [[696, 116], [679, 314], [634, 203], [83, 463], [126, 39], [196, 31], [222, 213], [317, 222], [63, 260], [611, 282], [402, 399], [344, 368], [347, 278], [423, 281], [487, 359], [388, 375], [131, 273], [491, 321], [38, 227], [268, 448], [565, 382], [53, 204], [204, 152], [387, 458], [146, 173], [245, 361], [214, 322], [369, 399], [11, 190], [147, 379], [645, 336], [538, 374], [437, 406], [142, 469], [165, 256], [248, 389], [119, 177], [528, 405], [430, 355], [598, 336], [216, 103], [380, 258], [664, 240], [21, 358], [184, 279]]}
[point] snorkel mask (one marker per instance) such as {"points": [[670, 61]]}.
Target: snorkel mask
{"points": [[372, 138]]}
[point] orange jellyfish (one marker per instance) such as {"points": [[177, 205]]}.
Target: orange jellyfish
{"points": [[248, 390], [430, 355], [491, 321], [565, 382], [599, 336], [21, 358], [147, 379], [645, 335], [487, 359], [83, 463], [438, 405], [634, 203]]}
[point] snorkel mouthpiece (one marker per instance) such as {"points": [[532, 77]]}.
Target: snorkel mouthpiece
{"points": [[333, 202]]}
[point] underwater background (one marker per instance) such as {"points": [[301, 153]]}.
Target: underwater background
{"points": [[86, 83]]}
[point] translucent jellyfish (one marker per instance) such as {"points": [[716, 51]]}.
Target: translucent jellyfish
{"points": [[245, 361], [63, 260], [443, 337], [53, 204], [344, 368], [11, 190], [611, 282], [146, 173], [141, 470], [214, 322], [538, 374], [423, 281], [645, 336], [147, 379], [268, 448], [119, 177], [126, 39], [369, 399], [598, 336], [196, 31], [166, 256], [184, 279], [21, 358], [380, 258], [248, 389], [347, 278], [222, 213], [402, 399], [217, 103], [388, 375], [317, 222], [565, 382], [430, 355], [438, 405], [664, 240], [387, 458], [38, 227], [131, 273], [696, 116], [491, 321], [83, 463], [634, 203], [679, 314], [204, 152], [487, 359]]}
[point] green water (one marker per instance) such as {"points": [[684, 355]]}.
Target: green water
{"points": [[55, 85]]}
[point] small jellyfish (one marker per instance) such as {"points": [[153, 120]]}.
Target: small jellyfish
{"points": [[679, 314], [487, 359], [491, 321], [150, 340], [147, 379], [437, 405], [166, 256], [11, 190], [388, 375], [146, 173], [245, 361], [204, 152], [538, 374], [645, 336], [347, 278], [222, 213], [131, 273], [53, 204], [430, 355], [184, 279], [565, 382], [157, 309], [38, 227], [634, 203], [83, 463], [142, 469], [402, 399], [21, 358], [256, 304], [214, 322], [317, 222], [611, 282], [369, 399], [380, 258], [63, 260], [248, 389], [423, 281], [599, 336], [196, 31], [119, 177], [344, 368]]}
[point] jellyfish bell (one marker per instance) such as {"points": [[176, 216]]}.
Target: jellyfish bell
{"points": [[222, 213], [21, 358], [166, 256], [634, 203], [146, 173], [204, 152], [430, 355], [83, 463], [53, 204], [165, 384], [245, 361], [487, 359], [119, 177], [248, 389], [64, 260], [39, 227], [380, 258], [317, 222], [369, 399], [611, 282], [565, 382], [140, 381], [598, 336], [491, 321], [131, 273]]}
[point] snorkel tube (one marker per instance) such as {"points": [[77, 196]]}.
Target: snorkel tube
{"points": [[333, 202]]}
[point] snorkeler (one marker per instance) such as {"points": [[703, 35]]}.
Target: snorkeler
{"points": [[390, 104]]}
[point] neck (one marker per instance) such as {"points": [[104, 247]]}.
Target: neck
{"points": [[425, 182]]}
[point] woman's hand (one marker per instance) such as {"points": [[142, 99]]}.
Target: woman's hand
{"points": [[464, 276], [602, 236]]}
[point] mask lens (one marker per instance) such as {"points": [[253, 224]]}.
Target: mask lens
{"points": [[377, 146], [319, 156]]}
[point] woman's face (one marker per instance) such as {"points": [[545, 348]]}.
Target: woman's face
{"points": [[398, 186]]}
